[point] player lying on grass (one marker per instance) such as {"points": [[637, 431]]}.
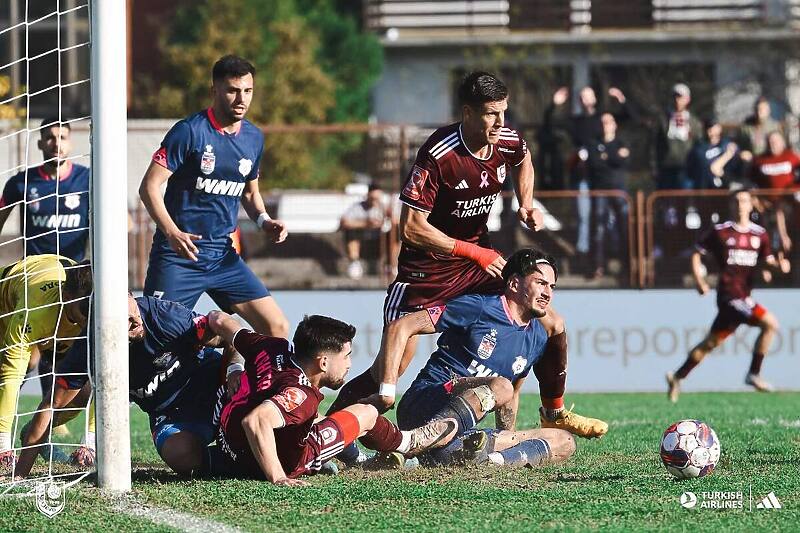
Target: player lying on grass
{"points": [[740, 248], [44, 303], [175, 378], [269, 428], [488, 346]]}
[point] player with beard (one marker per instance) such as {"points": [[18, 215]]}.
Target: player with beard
{"points": [[210, 163], [458, 174], [740, 248], [269, 428], [487, 348]]}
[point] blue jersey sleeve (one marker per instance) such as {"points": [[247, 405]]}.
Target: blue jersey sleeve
{"points": [[174, 323], [12, 192], [176, 147], [459, 313], [254, 173]]}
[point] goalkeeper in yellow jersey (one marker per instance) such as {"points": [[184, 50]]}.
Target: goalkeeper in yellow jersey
{"points": [[44, 306]]}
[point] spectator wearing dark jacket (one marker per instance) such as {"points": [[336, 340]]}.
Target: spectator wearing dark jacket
{"points": [[676, 132], [607, 163], [714, 161]]}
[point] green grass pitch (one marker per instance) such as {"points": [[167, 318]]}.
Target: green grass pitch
{"points": [[617, 483]]}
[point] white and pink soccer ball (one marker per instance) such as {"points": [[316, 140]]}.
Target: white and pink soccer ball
{"points": [[689, 449]]}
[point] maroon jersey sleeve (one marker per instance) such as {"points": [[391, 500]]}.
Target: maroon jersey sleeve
{"points": [[249, 343], [512, 146], [708, 242], [297, 403], [422, 183], [765, 250]]}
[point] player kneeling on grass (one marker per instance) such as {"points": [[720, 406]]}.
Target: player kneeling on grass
{"points": [[488, 346], [173, 378], [269, 428]]}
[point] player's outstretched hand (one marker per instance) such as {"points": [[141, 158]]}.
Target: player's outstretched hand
{"points": [[381, 403], [276, 230], [183, 244], [286, 482], [531, 217]]}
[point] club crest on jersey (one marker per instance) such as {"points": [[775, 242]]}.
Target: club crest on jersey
{"points": [[208, 160], [755, 242], [519, 364], [416, 180], [730, 242], [245, 166], [33, 195], [72, 201], [487, 345], [501, 173]]}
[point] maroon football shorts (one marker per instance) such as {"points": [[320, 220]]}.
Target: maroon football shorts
{"points": [[734, 313], [327, 437], [436, 283]]}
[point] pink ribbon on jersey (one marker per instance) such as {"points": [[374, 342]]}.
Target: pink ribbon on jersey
{"points": [[484, 179]]}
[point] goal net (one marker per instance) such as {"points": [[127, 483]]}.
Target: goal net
{"points": [[49, 141]]}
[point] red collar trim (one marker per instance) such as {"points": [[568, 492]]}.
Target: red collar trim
{"points": [[61, 175], [213, 120], [508, 312]]}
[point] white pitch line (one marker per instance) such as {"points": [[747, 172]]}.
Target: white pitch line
{"points": [[170, 517]]}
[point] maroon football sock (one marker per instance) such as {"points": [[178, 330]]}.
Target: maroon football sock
{"points": [[755, 363], [356, 389], [686, 367], [551, 368], [383, 437]]}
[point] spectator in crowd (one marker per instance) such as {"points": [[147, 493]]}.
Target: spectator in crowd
{"points": [[757, 127], [363, 221], [714, 160], [676, 133], [583, 128], [607, 162], [777, 169]]}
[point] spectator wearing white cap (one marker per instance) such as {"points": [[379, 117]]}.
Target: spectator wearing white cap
{"points": [[676, 133]]}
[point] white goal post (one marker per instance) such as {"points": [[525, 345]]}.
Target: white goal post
{"points": [[110, 240]]}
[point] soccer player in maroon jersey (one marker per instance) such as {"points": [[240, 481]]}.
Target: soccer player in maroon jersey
{"points": [[740, 248], [458, 174], [268, 428]]}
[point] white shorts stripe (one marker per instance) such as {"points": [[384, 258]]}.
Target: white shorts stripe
{"points": [[392, 310]]}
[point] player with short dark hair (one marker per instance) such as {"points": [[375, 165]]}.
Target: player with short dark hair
{"points": [[174, 376], [54, 197], [268, 429], [740, 248], [487, 347], [210, 162], [458, 174]]}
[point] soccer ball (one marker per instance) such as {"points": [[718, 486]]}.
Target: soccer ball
{"points": [[689, 448]]}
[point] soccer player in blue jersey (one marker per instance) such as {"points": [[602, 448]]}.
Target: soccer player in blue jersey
{"points": [[54, 209], [175, 377], [488, 346], [210, 163], [54, 198]]}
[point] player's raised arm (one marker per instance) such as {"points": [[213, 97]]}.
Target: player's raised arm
{"points": [[150, 193], [416, 231], [224, 325], [253, 205]]}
